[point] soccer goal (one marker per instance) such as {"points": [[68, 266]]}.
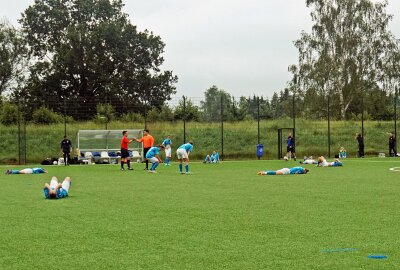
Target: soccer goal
{"points": [[282, 135], [108, 141]]}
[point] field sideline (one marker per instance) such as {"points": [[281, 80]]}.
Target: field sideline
{"points": [[224, 216]]}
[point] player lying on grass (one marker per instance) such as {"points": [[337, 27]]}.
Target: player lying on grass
{"points": [[308, 160], [57, 190], [294, 170], [183, 155], [153, 157], [323, 163], [213, 158], [27, 171]]}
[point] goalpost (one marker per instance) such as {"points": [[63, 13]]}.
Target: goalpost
{"points": [[107, 140]]}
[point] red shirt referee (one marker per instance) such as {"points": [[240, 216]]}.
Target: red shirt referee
{"points": [[124, 151]]}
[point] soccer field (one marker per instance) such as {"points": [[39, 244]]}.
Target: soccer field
{"points": [[224, 216]]}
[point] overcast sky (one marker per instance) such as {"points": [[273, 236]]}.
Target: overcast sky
{"points": [[242, 46]]}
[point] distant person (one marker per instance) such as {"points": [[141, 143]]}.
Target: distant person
{"points": [[124, 151], [285, 171], [342, 152], [183, 153], [323, 163], [168, 150], [213, 158], [26, 171], [360, 140], [291, 152], [57, 190], [153, 156], [392, 145], [148, 142], [66, 146]]}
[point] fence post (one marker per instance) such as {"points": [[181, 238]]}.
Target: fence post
{"points": [[184, 119], [362, 114], [145, 114], [19, 132], [222, 128], [395, 114], [25, 146], [294, 120], [65, 116], [329, 125]]}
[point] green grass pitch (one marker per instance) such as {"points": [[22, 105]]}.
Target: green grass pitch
{"points": [[224, 216]]}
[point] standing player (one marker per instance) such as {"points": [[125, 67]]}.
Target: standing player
{"points": [[153, 157], [148, 142], [124, 151], [392, 145], [360, 140], [66, 149], [167, 143], [290, 147], [183, 155]]}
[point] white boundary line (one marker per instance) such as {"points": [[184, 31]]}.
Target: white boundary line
{"points": [[395, 169]]}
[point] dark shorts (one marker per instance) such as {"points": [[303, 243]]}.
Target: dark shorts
{"points": [[145, 150], [124, 153], [290, 149]]}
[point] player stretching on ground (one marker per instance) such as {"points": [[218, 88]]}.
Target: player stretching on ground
{"points": [[285, 171], [124, 151], [153, 157], [323, 163], [27, 171], [57, 190], [148, 142], [183, 155], [167, 144], [308, 160]]}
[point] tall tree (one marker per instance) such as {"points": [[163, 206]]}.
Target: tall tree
{"points": [[348, 50], [211, 106], [13, 58], [88, 52]]}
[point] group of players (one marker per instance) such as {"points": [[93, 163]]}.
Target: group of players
{"points": [[151, 153], [291, 153]]}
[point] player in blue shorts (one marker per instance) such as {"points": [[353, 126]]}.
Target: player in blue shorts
{"points": [[285, 171], [27, 171], [153, 157], [57, 190], [183, 155], [168, 150]]}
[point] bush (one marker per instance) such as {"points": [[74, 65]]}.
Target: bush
{"points": [[132, 118], [9, 114], [46, 116]]}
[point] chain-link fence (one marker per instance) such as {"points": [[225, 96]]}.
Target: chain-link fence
{"points": [[231, 126]]}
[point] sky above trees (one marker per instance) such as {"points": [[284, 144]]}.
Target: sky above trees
{"points": [[243, 47]]}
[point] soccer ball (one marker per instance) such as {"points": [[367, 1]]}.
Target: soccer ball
{"points": [[55, 162], [285, 158]]}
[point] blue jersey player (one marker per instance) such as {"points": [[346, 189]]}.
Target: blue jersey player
{"points": [[27, 171], [56, 190], [168, 150], [285, 171], [153, 156], [183, 155]]}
